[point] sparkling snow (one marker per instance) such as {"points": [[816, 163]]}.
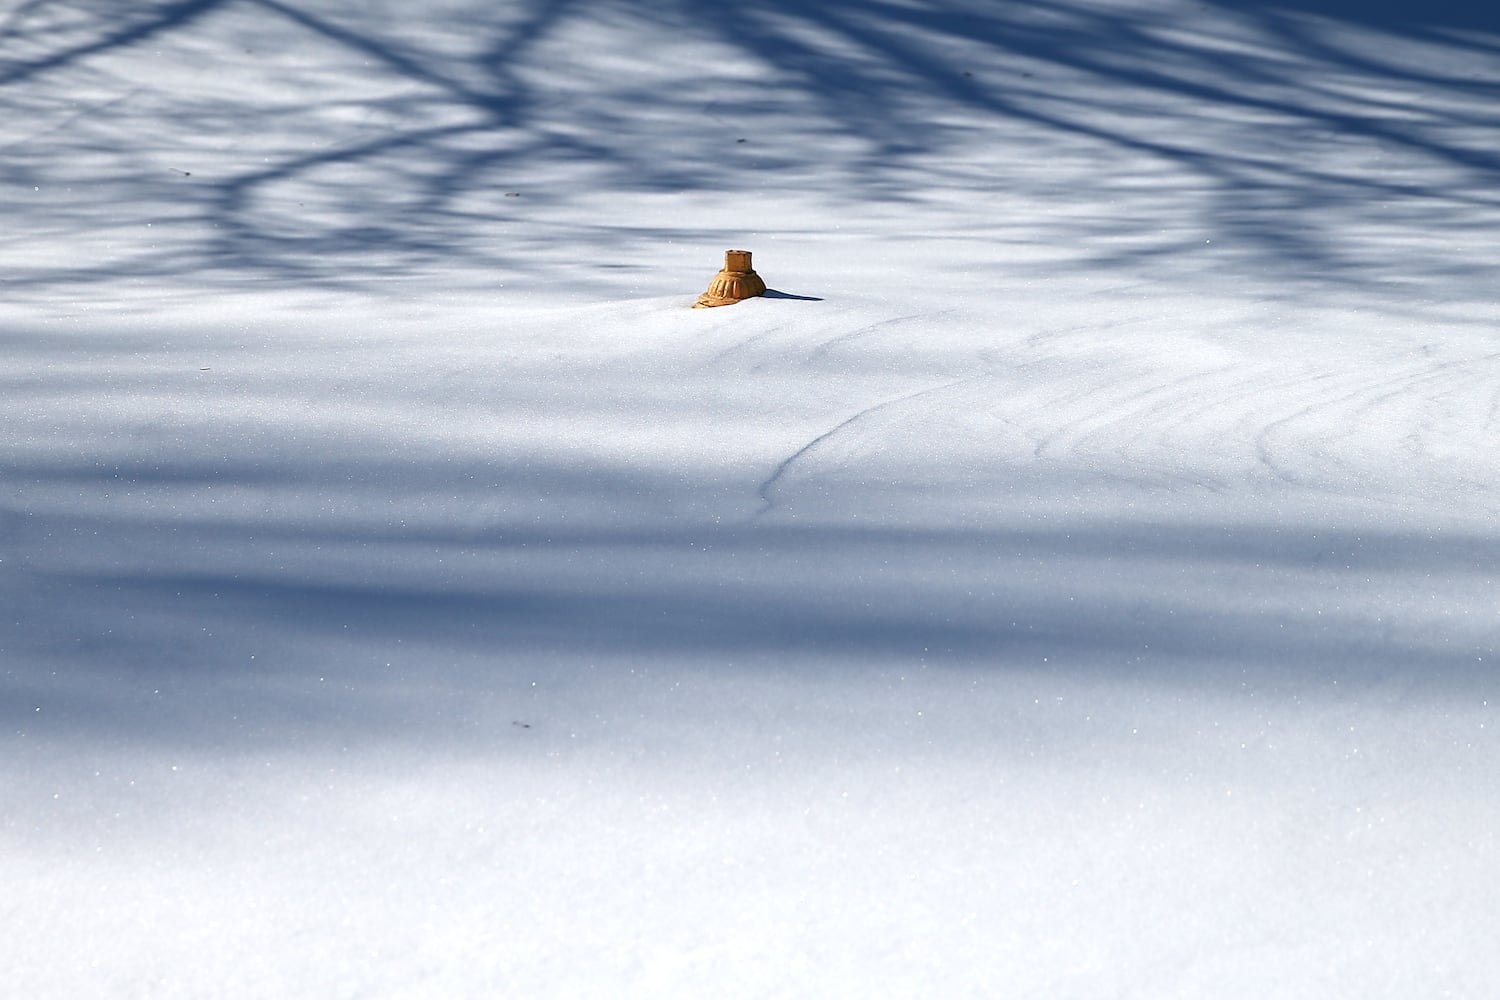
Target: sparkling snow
{"points": [[1078, 579]]}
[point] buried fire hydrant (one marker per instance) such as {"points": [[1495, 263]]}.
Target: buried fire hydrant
{"points": [[737, 281]]}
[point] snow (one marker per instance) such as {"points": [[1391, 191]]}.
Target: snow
{"points": [[1078, 580]]}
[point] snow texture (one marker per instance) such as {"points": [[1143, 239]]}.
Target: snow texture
{"points": [[1077, 578]]}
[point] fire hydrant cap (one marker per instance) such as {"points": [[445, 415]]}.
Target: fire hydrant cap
{"points": [[735, 282]]}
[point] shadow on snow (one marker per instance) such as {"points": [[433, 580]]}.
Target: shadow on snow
{"points": [[1292, 133]]}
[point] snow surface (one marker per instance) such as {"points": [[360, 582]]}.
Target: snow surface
{"points": [[1076, 580]]}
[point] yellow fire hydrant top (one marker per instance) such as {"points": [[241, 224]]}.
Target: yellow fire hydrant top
{"points": [[736, 281]]}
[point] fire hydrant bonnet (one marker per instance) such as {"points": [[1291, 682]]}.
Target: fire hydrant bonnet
{"points": [[735, 282]]}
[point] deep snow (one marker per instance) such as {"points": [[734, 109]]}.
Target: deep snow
{"points": [[1078, 581]]}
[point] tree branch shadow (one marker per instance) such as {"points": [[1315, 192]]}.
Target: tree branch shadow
{"points": [[1257, 125]]}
